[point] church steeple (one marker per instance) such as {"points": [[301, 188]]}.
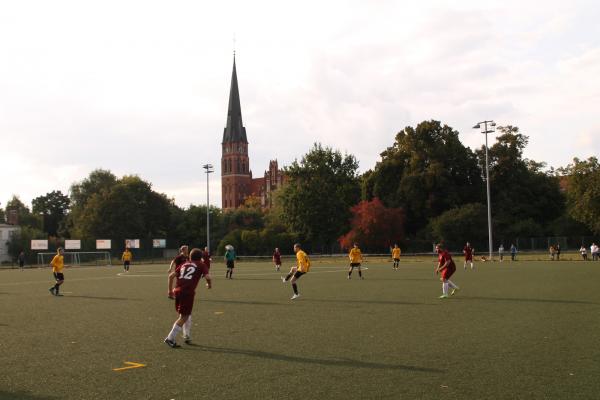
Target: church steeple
{"points": [[236, 178], [234, 130]]}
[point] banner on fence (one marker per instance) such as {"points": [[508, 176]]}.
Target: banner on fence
{"points": [[72, 244], [103, 244], [159, 243], [39, 245], [132, 243]]}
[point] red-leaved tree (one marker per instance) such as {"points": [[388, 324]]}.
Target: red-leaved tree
{"points": [[374, 226]]}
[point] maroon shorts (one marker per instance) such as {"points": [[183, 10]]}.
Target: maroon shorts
{"points": [[449, 271], [184, 303], [469, 258]]}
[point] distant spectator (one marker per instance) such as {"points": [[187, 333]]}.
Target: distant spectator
{"points": [[501, 252], [594, 251], [513, 252], [583, 252], [557, 251], [552, 251], [21, 260]]}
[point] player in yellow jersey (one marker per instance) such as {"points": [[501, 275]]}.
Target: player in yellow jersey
{"points": [[126, 258], [297, 271], [57, 265], [355, 260], [396, 256]]}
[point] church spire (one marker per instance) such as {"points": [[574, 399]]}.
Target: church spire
{"points": [[234, 130]]}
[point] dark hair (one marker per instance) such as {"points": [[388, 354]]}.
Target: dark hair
{"points": [[441, 245], [297, 245], [196, 254]]}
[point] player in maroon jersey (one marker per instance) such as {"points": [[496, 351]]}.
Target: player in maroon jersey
{"points": [[447, 267], [188, 275], [468, 252], [277, 259], [176, 262], [206, 259]]}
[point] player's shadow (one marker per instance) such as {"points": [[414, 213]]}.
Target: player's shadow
{"points": [[104, 298], [527, 300], [23, 396], [381, 302], [342, 362], [249, 303]]}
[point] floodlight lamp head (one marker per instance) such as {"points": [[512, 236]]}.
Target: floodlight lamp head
{"points": [[493, 123], [477, 126]]}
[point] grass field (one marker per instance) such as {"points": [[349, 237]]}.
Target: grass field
{"points": [[523, 330]]}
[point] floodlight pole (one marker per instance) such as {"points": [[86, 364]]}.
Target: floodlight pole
{"points": [[208, 170], [484, 130]]}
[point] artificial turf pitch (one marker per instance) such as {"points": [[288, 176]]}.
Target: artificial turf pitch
{"points": [[523, 330]]}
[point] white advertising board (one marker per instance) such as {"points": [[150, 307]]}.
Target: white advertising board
{"points": [[39, 244], [159, 243], [132, 243], [103, 244], [73, 244]]}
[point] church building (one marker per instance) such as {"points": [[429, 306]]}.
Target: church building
{"points": [[237, 183]]}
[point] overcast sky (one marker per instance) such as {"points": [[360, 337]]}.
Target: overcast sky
{"points": [[141, 87]]}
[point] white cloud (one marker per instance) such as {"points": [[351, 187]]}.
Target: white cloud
{"points": [[141, 87]]}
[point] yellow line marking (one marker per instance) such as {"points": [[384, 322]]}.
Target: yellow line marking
{"points": [[218, 312], [132, 365]]}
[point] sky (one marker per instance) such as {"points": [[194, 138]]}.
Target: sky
{"points": [[141, 87]]}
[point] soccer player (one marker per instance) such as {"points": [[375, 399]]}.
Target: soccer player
{"points": [[188, 275], [229, 261], [396, 256], [468, 252], [355, 257], [296, 272], [21, 260], [126, 258], [447, 267], [57, 265], [206, 257], [181, 258], [277, 259], [501, 252]]}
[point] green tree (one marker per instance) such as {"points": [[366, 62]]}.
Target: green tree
{"points": [[129, 208], [523, 196], [583, 192], [467, 223], [53, 207], [318, 195], [425, 172]]}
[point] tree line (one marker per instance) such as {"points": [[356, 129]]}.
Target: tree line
{"points": [[427, 186]]}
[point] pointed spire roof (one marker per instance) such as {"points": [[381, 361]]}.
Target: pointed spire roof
{"points": [[234, 130]]}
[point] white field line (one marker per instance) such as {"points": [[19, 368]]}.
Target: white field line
{"points": [[164, 275]]}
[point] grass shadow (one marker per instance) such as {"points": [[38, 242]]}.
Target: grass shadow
{"points": [[382, 302], [103, 298], [525, 300], [248, 303], [4, 395], [342, 362]]}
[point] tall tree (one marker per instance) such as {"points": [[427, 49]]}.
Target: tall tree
{"points": [[426, 172], [318, 195], [583, 192], [127, 209], [523, 196], [53, 207], [374, 226]]}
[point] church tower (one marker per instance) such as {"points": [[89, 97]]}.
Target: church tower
{"points": [[236, 177]]}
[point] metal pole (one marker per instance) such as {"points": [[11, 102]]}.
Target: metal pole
{"points": [[487, 181], [207, 214]]}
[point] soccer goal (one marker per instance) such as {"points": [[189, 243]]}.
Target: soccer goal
{"points": [[78, 258]]}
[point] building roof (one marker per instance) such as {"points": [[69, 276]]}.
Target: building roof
{"points": [[234, 130]]}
